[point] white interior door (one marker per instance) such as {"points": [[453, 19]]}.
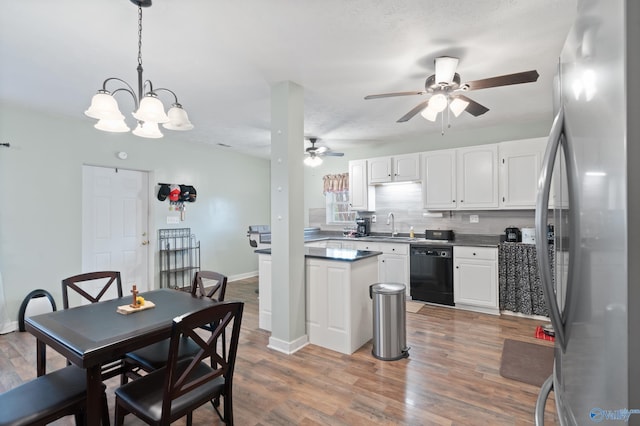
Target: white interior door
{"points": [[115, 232]]}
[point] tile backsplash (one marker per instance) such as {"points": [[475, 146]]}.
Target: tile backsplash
{"points": [[405, 201]]}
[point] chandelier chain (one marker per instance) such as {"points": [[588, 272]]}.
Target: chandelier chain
{"points": [[139, 35]]}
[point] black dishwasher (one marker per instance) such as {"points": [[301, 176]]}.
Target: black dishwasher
{"points": [[431, 274]]}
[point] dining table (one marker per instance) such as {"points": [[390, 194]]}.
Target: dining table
{"points": [[94, 334]]}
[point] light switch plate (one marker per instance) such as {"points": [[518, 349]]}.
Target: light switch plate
{"points": [[474, 218]]}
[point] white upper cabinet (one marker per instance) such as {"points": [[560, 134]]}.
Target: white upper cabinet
{"points": [[379, 170], [361, 198], [477, 177], [406, 168], [400, 168], [520, 163], [439, 179]]}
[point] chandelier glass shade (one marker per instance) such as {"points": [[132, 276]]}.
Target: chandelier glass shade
{"points": [[147, 129], [149, 110], [104, 107], [115, 126]]}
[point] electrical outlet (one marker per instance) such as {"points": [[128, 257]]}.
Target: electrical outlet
{"points": [[373, 218], [474, 218]]}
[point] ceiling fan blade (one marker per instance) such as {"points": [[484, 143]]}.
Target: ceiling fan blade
{"points": [[408, 116], [389, 95], [473, 108], [503, 80], [321, 149], [333, 154]]}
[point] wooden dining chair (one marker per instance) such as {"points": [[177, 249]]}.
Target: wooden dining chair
{"points": [[210, 284], [174, 391], [48, 398], [80, 283], [93, 286]]}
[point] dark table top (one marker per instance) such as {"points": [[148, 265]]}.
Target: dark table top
{"points": [[91, 334]]}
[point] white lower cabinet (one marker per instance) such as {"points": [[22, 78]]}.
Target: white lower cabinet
{"points": [[339, 312], [319, 244], [475, 278], [393, 264]]}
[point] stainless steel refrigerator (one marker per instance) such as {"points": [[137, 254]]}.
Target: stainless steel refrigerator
{"points": [[593, 157]]}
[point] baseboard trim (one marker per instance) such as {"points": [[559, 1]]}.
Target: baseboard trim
{"points": [[288, 348], [243, 276]]}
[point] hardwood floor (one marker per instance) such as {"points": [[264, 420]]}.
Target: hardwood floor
{"points": [[450, 378]]}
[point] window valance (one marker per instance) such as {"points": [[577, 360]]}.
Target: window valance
{"points": [[336, 183]]}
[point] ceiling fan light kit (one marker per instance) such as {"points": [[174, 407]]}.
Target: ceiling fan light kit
{"points": [[458, 106], [445, 69], [313, 161], [438, 102], [429, 114], [313, 153], [445, 90], [149, 110]]}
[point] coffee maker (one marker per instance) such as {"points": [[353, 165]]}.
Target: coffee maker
{"points": [[363, 226], [512, 235]]}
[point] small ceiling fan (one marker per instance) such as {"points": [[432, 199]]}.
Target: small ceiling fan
{"points": [[315, 152], [445, 89]]}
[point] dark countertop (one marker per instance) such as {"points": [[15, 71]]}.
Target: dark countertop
{"points": [[460, 239], [346, 255]]}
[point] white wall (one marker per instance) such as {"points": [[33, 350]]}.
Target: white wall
{"points": [[41, 188]]}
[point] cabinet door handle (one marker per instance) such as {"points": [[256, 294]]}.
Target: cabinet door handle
{"points": [[474, 254], [457, 267]]}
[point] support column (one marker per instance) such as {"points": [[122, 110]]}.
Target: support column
{"points": [[288, 329]]}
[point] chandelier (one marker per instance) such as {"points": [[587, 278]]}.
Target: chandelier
{"points": [[149, 110]]}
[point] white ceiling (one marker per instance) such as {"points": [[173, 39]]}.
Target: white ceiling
{"points": [[221, 58]]}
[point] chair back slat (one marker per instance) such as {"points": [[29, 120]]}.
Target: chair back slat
{"points": [[216, 291], [112, 277], [180, 377]]}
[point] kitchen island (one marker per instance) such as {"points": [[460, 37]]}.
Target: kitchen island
{"points": [[338, 306]]}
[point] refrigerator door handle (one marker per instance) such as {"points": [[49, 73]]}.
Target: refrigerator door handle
{"points": [[541, 218], [541, 402]]}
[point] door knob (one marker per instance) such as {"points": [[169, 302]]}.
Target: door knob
{"points": [[145, 242]]}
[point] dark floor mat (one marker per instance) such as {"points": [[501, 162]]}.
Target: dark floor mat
{"points": [[526, 362]]}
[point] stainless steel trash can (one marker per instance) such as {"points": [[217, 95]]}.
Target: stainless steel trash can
{"points": [[389, 321]]}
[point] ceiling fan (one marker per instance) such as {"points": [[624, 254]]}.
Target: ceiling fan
{"points": [[315, 152], [445, 90]]}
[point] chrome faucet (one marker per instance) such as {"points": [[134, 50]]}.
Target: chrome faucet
{"points": [[391, 220]]}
